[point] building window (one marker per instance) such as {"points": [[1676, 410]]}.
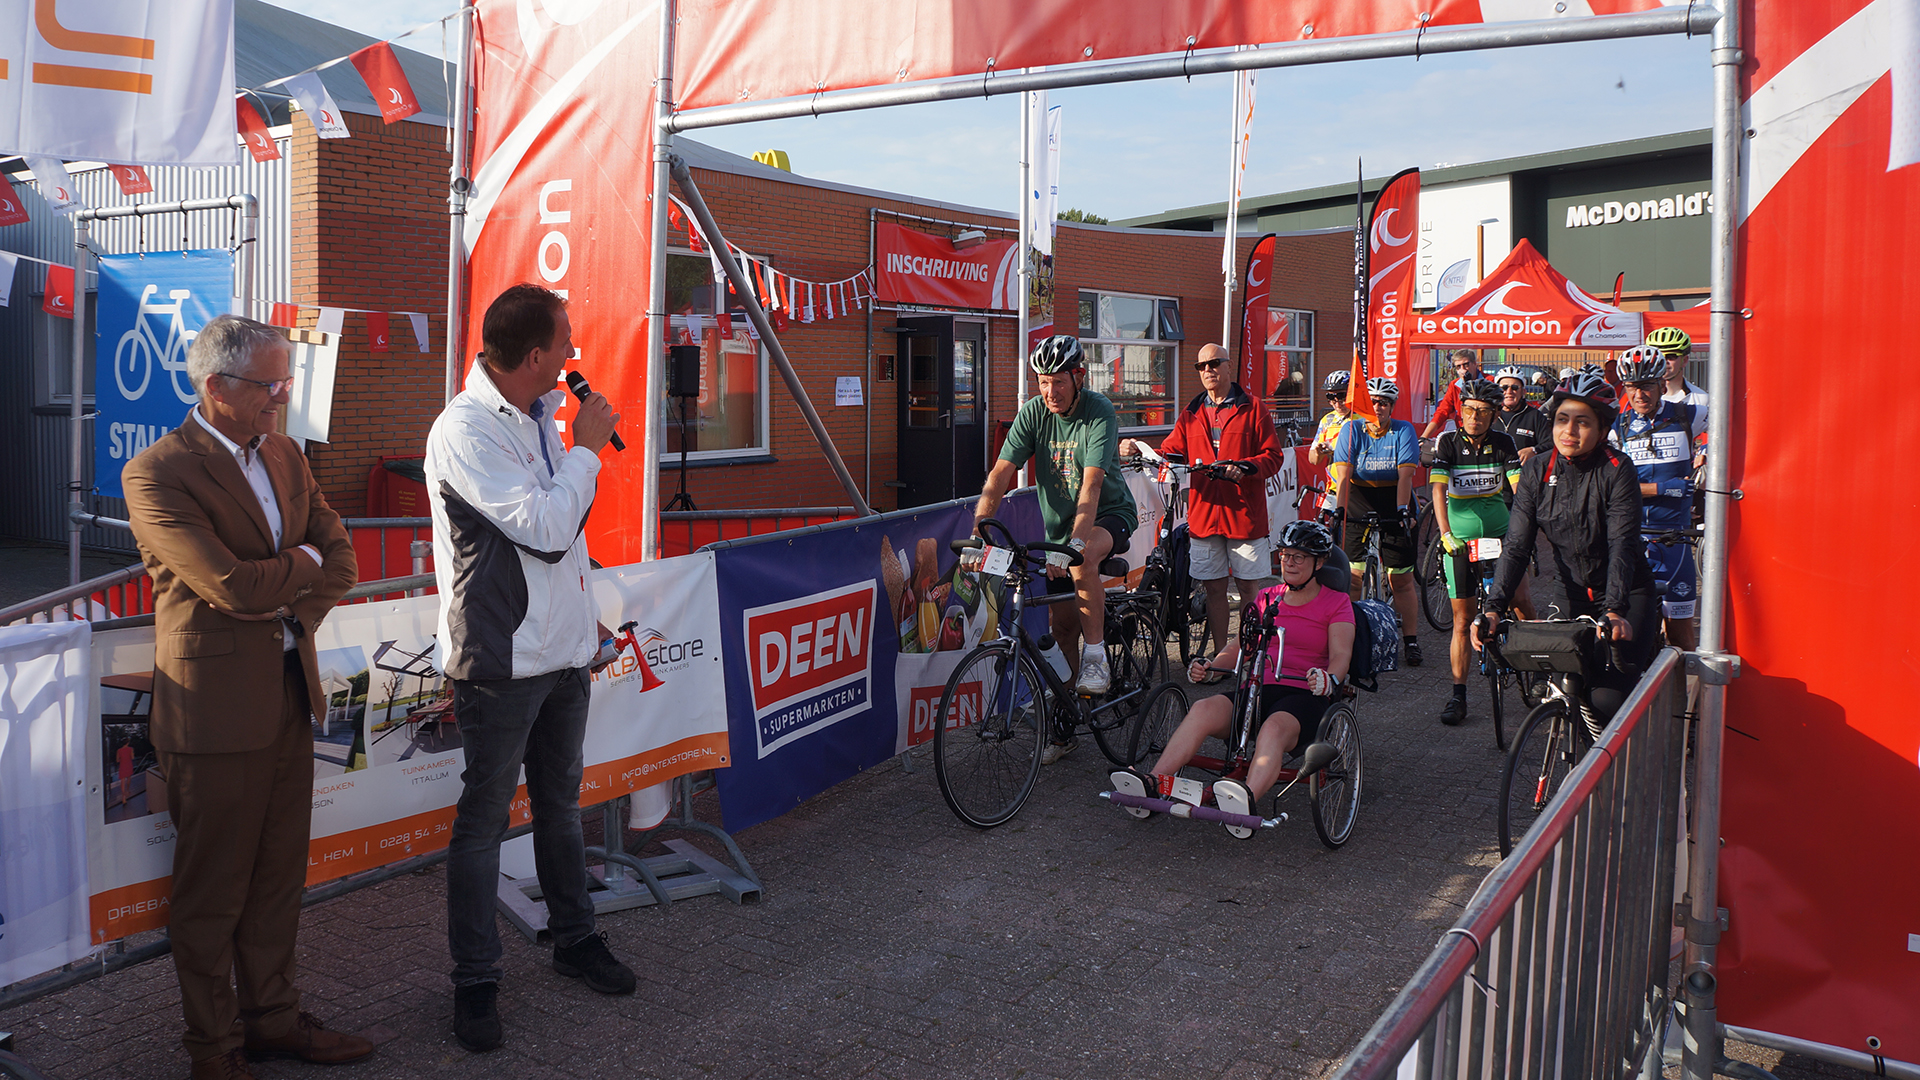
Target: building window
{"points": [[1287, 380], [1132, 354], [53, 348], [729, 418]]}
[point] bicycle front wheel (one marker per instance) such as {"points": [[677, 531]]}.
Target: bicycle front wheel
{"points": [[1335, 790], [1499, 680], [1137, 656], [1155, 723], [1425, 529], [1544, 753], [1434, 603], [988, 735]]}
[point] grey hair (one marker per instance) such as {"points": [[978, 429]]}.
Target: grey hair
{"points": [[1466, 354], [225, 346]]}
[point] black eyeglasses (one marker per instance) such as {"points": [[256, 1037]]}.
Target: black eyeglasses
{"points": [[273, 388]]}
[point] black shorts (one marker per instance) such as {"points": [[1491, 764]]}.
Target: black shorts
{"points": [[1306, 707], [1115, 528], [1396, 542]]}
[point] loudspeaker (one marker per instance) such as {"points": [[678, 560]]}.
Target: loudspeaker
{"points": [[683, 371]]}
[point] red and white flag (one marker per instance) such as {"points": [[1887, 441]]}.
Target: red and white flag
{"points": [[55, 185], [317, 103], [59, 298], [377, 330], [133, 179], [381, 70], [1392, 242], [12, 210], [253, 129]]}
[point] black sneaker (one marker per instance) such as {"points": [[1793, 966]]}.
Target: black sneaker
{"points": [[476, 1022], [590, 959], [1453, 712], [1412, 652]]}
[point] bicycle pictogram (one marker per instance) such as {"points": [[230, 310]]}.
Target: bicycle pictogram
{"points": [[133, 357]]}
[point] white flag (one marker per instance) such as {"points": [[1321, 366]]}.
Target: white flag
{"points": [[1043, 171], [1903, 144], [80, 87], [314, 100], [1242, 139], [331, 320], [8, 260], [55, 185], [419, 329]]}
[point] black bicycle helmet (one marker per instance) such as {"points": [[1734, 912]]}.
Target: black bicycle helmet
{"points": [[1591, 388], [1061, 352], [1338, 382], [1308, 536], [1481, 390]]}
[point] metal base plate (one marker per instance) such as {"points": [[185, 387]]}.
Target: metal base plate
{"points": [[687, 872]]}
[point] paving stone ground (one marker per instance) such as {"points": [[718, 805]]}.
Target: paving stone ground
{"points": [[895, 942]]}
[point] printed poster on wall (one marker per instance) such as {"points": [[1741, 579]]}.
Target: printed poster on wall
{"points": [[151, 308], [387, 755], [846, 638]]}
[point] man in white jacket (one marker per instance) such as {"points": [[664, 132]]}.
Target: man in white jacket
{"points": [[517, 633]]}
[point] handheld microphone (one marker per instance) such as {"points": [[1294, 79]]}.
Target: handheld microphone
{"points": [[577, 383]]}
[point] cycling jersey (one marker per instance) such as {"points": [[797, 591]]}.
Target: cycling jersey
{"points": [[1324, 437], [1661, 447], [1482, 468], [1376, 459]]}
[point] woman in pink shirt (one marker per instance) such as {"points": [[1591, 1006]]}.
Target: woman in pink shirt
{"points": [[1313, 663]]}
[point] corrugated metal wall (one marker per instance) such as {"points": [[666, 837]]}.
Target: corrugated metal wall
{"points": [[33, 433]]}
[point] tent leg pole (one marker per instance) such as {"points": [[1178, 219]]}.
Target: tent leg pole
{"points": [[654, 397], [758, 317]]}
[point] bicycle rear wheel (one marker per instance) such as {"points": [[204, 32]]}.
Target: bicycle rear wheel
{"points": [[1155, 723], [1425, 528], [1544, 753], [1137, 656], [1335, 790], [1433, 587], [988, 735]]}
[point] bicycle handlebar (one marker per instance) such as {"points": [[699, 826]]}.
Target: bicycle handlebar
{"points": [[1074, 558]]}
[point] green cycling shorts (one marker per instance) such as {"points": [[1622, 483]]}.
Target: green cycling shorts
{"points": [[1471, 519]]}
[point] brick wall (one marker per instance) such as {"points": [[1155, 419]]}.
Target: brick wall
{"points": [[370, 231]]}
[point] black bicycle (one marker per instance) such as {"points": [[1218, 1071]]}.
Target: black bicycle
{"points": [[1005, 701], [1561, 729], [1183, 612]]}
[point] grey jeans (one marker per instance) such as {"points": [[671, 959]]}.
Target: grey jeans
{"points": [[504, 723]]}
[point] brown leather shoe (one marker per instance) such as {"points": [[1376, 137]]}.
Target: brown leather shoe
{"points": [[231, 1065], [311, 1041]]}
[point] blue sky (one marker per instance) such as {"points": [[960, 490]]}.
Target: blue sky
{"points": [[1141, 148]]}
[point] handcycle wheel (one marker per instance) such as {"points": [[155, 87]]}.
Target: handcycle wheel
{"points": [[1137, 656], [988, 734], [1550, 743], [1434, 603], [1335, 790], [1159, 717]]}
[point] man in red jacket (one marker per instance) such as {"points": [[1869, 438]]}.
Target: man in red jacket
{"points": [[1226, 515]]}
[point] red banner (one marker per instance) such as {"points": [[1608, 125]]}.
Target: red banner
{"points": [[59, 295], [1823, 936], [1257, 294], [254, 130], [1393, 238], [381, 71], [915, 268], [12, 210]]}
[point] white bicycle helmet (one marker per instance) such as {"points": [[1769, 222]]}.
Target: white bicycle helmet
{"points": [[1383, 388], [1642, 363]]}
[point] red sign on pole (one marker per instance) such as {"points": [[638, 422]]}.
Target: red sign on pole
{"points": [[915, 268]]}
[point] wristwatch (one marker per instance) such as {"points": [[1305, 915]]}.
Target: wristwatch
{"points": [[1077, 544]]}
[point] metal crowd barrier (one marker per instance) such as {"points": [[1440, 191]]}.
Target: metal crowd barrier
{"points": [[686, 531], [1558, 966]]}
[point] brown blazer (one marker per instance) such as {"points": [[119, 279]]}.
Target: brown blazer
{"points": [[206, 544]]}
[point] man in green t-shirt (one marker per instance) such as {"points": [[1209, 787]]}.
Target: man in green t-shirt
{"points": [[1073, 438]]}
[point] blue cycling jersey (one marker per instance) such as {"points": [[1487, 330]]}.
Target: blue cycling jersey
{"points": [[1376, 461], [1661, 447]]}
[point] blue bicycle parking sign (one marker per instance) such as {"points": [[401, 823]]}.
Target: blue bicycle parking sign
{"points": [[151, 306]]}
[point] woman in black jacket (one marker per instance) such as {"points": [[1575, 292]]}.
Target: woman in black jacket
{"points": [[1586, 497]]}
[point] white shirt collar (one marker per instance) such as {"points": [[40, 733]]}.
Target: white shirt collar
{"points": [[234, 448]]}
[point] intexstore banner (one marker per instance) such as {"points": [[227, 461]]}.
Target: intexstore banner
{"points": [[387, 756], [846, 638]]}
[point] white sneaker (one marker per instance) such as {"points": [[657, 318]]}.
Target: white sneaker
{"points": [[1055, 751], [1231, 797], [1094, 676]]}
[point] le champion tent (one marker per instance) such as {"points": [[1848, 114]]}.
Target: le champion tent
{"points": [[1527, 304]]}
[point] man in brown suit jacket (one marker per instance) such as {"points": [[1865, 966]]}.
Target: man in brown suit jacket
{"points": [[246, 560]]}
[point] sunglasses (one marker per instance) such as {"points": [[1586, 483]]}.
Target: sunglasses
{"points": [[273, 388], [1208, 365]]}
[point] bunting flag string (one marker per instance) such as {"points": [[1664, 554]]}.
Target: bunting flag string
{"points": [[783, 296]]}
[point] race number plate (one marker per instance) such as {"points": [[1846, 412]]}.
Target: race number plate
{"points": [[1485, 549], [996, 561], [1188, 791]]}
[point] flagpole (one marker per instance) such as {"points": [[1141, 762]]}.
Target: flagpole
{"points": [[458, 187], [1227, 259], [653, 393], [1026, 245]]}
